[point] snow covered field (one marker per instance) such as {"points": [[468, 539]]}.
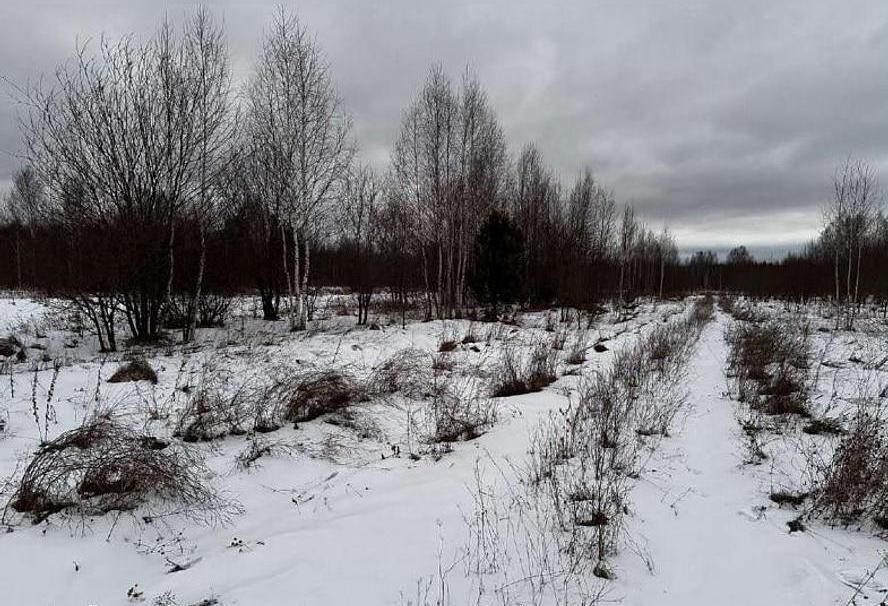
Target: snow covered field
{"points": [[362, 506]]}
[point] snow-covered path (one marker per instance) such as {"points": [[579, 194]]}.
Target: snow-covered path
{"points": [[704, 529]]}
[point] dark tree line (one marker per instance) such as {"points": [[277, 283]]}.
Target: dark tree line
{"points": [[151, 188]]}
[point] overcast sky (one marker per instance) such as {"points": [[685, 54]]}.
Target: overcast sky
{"points": [[724, 120]]}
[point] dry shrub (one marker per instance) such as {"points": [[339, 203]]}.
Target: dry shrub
{"points": [[516, 376], [584, 466], [224, 404], [258, 447], [103, 466], [578, 349], [459, 413], [769, 361], [824, 425], [855, 482], [134, 370], [726, 303], [702, 311], [407, 372], [443, 363], [211, 312], [314, 393]]}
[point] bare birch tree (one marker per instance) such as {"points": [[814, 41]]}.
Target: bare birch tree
{"points": [[849, 219], [450, 167], [300, 134], [207, 70]]}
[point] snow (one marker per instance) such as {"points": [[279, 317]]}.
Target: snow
{"points": [[338, 519], [708, 527]]}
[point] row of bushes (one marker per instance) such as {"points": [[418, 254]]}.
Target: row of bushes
{"points": [[847, 460], [583, 463], [104, 465]]}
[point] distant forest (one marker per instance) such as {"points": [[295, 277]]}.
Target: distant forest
{"points": [[150, 186]]}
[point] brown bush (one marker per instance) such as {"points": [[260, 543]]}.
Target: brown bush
{"points": [[447, 345], [134, 370], [855, 482], [769, 361], [224, 404], [407, 372], [584, 466], [315, 393], [515, 377], [459, 414], [103, 466]]}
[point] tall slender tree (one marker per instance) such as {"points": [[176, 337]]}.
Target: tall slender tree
{"points": [[299, 135]]}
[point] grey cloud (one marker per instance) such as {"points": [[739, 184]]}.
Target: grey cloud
{"points": [[715, 116]]}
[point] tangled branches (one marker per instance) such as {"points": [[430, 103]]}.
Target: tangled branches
{"points": [[103, 466]]}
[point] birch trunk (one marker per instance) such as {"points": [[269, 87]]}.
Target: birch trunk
{"points": [[287, 276], [296, 314]]}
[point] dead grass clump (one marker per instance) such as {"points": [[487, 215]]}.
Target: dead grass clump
{"points": [[509, 380], [516, 376], [447, 345], [578, 349], [10, 346], [769, 361], [222, 405], [134, 370], [315, 393], [824, 425], [746, 312], [460, 414], [258, 447], [785, 394], [408, 372], [559, 339], [103, 466], [784, 497], [470, 336], [542, 369]]}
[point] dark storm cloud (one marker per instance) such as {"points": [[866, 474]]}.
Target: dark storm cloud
{"points": [[723, 119]]}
